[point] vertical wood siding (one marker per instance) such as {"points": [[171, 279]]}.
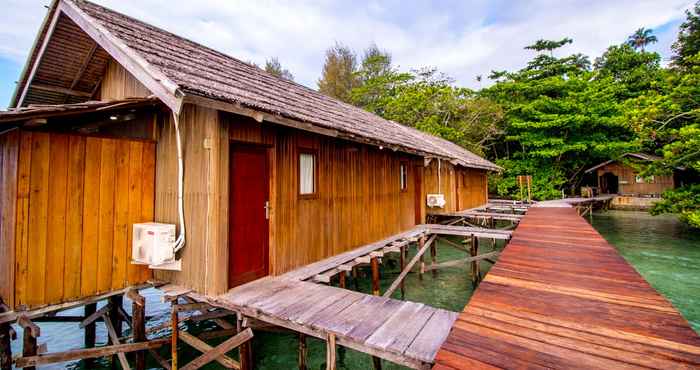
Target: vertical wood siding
{"points": [[118, 83], [472, 188], [77, 198], [9, 150], [625, 173], [358, 200], [205, 152]]}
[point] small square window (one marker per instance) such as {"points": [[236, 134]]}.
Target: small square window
{"points": [[403, 176], [307, 173], [638, 179]]}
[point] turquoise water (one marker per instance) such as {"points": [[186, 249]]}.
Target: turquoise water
{"points": [[663, 250]]}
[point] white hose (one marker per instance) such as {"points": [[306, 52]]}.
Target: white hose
{"points": [[180, 241]]}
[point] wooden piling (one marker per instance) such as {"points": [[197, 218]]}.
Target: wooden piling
{"points": [[115, 303], [5, 338], [433, 258], [341, 279], [245, 355], [302, 351], [421, 243], [330, 352], [474, 251], [138, 324], [375, 275], [31, 333], [377, 362], [90, 329], [173, 338], [355, 279], [402, 262]]}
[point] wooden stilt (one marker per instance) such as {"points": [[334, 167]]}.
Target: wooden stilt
{"points": [[244, 350], [375, 275], [115, 317], [90, 309], [31, 333], [341, 279], [377, 362], [355, 279], [173, 338], [138, 324], [5, 338], [402, 263], [302, 351], [433, 258], [474, 251], [330, 352], [421, 243]]}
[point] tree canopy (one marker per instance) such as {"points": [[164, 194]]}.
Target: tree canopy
{"points": [[274, 66], [554, 117]]}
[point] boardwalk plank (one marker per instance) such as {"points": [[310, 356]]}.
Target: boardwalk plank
{"points": [[561, 297]]}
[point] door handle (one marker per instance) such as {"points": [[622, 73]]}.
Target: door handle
{"points": [[267, 210]]}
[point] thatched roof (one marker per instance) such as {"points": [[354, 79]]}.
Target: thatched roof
{"points": [[180, 69]]}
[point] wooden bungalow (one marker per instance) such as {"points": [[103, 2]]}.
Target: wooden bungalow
{"points": [[622, 176], [274, 175]]}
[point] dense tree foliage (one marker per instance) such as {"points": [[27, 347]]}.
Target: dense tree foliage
{"points": [[556, 116], [338, 77]]}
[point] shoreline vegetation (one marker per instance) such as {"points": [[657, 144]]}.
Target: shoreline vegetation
{"points": [[554, 117]]}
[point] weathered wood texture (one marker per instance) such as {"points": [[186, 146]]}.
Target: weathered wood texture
{"points": [[118, 83], [9, 151], [627, 180], [407, 333], [77, 198], [358, 200], [561, 297], [205, 151], [463, 188]]}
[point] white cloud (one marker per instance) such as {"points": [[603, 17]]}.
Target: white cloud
{"points": [[463, 40]]}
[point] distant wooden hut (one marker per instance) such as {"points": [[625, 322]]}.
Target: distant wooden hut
{"points": [[622, 176], [276, 175]]}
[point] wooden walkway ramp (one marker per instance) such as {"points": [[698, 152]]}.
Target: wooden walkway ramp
{"points": [[561, 297], [406, 333], [403, 332]]}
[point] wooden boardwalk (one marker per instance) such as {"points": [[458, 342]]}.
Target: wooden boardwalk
{"points": [[561, 297], [407, 333]]}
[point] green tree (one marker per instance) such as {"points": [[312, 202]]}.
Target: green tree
{"points": [[560, 117], [274, 67], [688, 43], [549, 45], [636, 72], [641, 38], [338, 76]]}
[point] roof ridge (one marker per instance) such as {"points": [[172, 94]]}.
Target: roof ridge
{"points": [[200, 70]]}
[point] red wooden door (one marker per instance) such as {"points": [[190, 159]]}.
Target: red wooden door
{"points": [[248, 217]]}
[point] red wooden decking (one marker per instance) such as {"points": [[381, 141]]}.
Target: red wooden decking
{"points": [[561, 297]]}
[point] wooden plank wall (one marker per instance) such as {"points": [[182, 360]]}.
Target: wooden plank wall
{"points": [[205, 152], [624, 173], [359, 199], [445, 184], [77, 198], [472, 188], [118, 83], [9, 150]]}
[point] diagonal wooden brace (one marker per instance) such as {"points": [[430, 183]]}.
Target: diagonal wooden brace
{"points": [[219, 350]]}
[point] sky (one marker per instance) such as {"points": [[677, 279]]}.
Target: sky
{"points": [[463, 39]]}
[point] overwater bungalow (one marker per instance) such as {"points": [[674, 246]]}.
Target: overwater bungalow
{"points": [[133, 158]]}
